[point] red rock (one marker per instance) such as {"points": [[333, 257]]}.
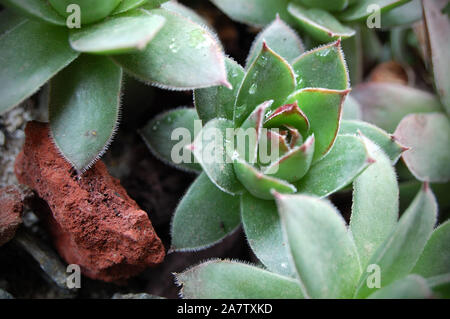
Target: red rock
{"points": [[93, 222], [11, 207]]}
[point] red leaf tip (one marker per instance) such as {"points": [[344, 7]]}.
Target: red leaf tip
{"points": [[226, 84], [276, 194], [337, 43]]}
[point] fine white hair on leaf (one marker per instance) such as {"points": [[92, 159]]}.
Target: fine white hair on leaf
{"points": [[81, 171]]}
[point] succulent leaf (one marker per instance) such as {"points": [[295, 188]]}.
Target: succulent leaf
{"points": [[323, 67], [406, 14], [128, 32], [409, 287], [264, 234], [259, 184], [35, 9], [270, 77], [126, 5], [375, 204], [90, 11], [319, 24], [182, 56], [437, 25], [428, 137], [359, 9], [322, 249], [435, 258], [328, 5], [288, 115], [410, 187], [385, 104], [275, 142], [279, 37], [254, 12], [28, 60], [346, 160], [218, 101], [248, 149], [84, 106], [204, 216], [323, 109], [293, 165], [353, 51], [210, 150], [440, 285], [223, 279], [401, 250], [9, 20], [160, 136], [387, 142]]}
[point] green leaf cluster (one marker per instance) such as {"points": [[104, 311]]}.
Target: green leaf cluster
{"points": [[376, 256], [295, 110], [161, 43], [322, 20]]}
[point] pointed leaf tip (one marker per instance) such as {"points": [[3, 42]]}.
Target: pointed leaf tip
{"points": [[227, 84], [323, 67], [163, 62]]}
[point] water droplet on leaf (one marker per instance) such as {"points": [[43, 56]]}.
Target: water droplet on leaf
{"points": [[253, 88]]}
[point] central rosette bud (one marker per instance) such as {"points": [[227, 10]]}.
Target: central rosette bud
{"points": [[272, 149], [275, 126]]}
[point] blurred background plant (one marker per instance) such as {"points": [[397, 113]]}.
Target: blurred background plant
{"points": [[148, 39]]}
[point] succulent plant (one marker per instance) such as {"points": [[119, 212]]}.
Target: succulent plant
{"points": [[323, 20], [356, 22], [419, 119], [148, 39], [295, 111], [376, 256]]}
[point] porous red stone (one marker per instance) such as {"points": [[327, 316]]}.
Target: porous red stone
{"points": [[11, 207], [93, 221]]}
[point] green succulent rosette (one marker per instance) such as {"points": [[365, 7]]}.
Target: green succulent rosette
{"points": [[293, 102]]}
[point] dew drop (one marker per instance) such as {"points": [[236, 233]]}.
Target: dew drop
{"points": [[262, 61], [324, 53], [174, 46], [253, 88]]}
